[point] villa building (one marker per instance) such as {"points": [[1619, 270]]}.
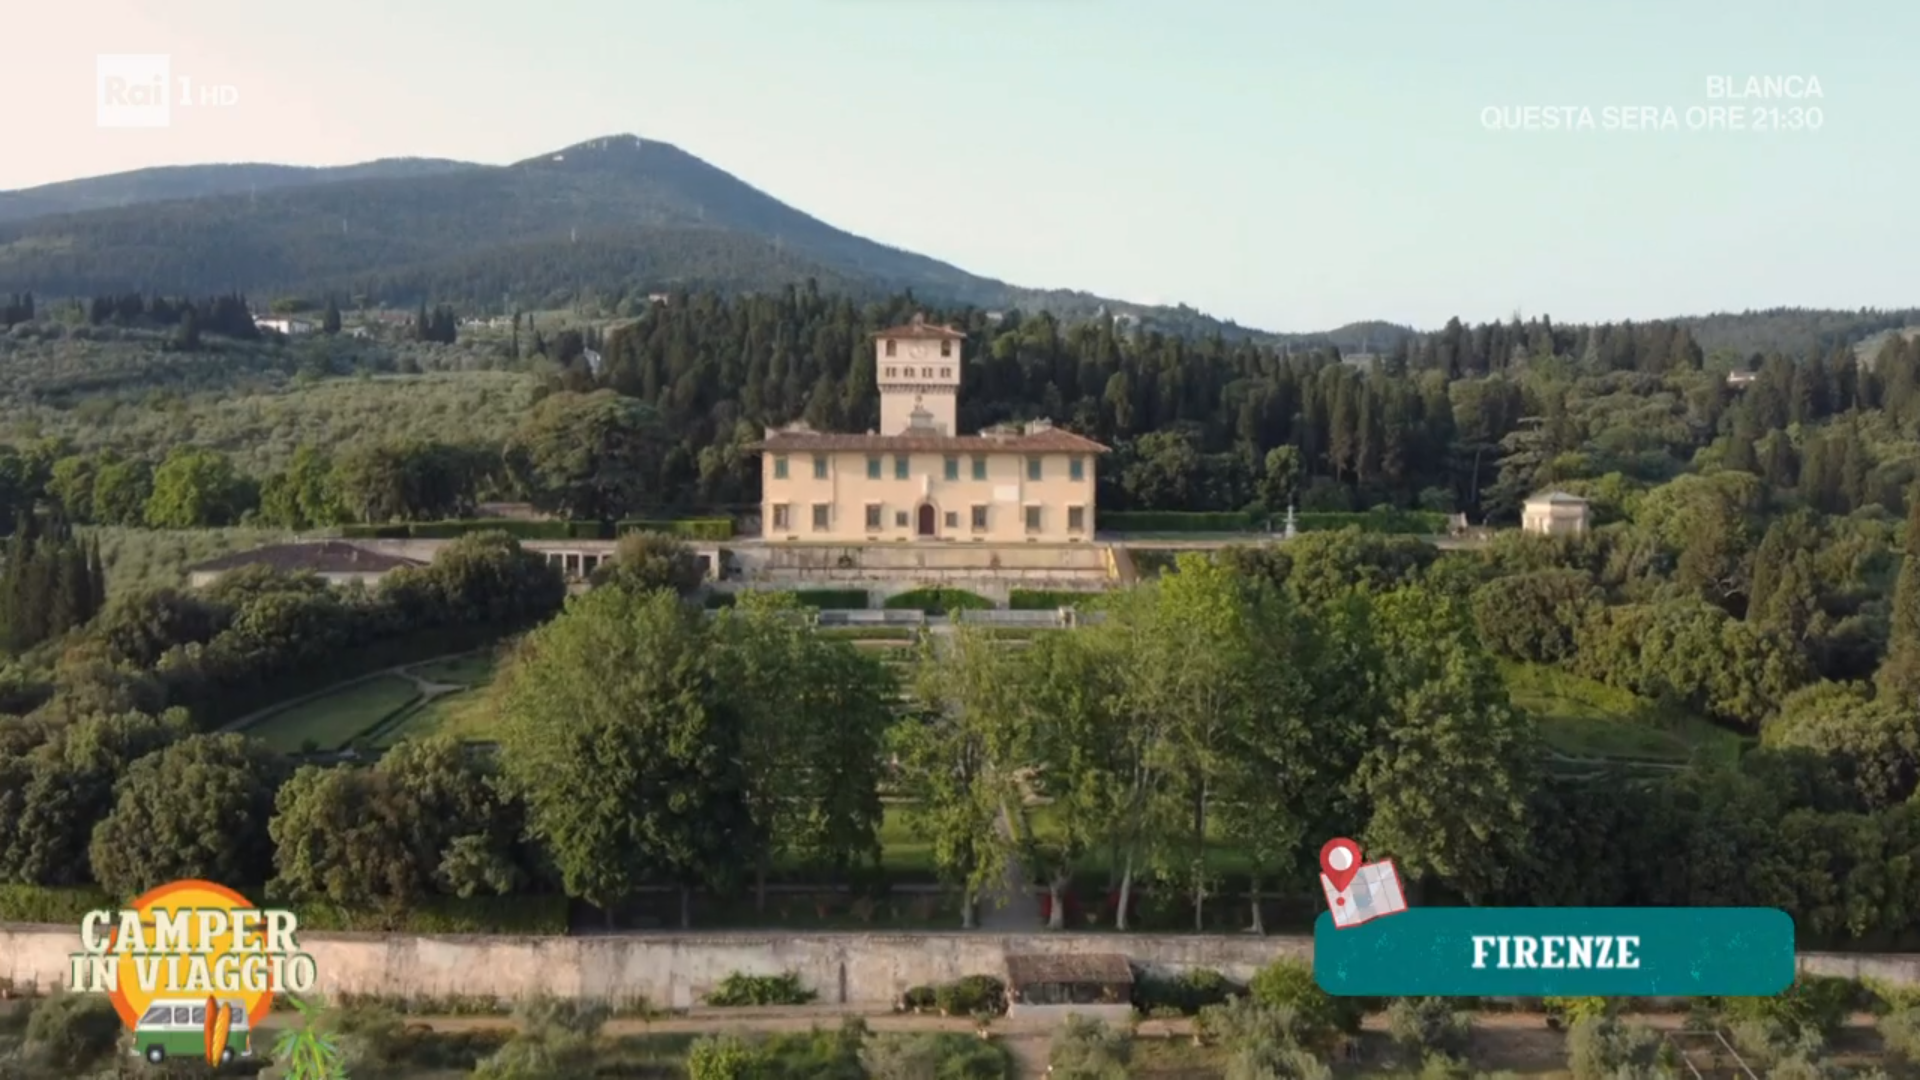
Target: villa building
{"points": [[917, 478]]}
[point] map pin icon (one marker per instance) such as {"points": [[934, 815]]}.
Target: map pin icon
{"points": [[1340, 860]]}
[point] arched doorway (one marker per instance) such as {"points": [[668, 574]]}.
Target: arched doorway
{"points": [[927, 518]]}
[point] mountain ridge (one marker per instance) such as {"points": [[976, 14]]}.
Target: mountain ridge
{"points": [[431, 229], [612, 215], [163, 183]]}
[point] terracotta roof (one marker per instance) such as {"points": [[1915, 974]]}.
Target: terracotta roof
{"points": [[322, 557], [921, 328], [1104, 969], [1055, 440]]}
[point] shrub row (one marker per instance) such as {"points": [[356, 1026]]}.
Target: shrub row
{"points": [[1385, 521], [1183, 995], [971, 995], [516, 914], [686, 528], [448, 530], [1049, 599], [1171, 521], [512, 914], [741, 989], [818, 599], [937, 601], [831, 599], [54, 906]]}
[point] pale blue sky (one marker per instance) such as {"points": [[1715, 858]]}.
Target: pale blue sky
{"points": [[1289, 165]]}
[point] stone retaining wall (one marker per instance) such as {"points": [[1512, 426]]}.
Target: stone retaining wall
{"points": [[678, 969]]}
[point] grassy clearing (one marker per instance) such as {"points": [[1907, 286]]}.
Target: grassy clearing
{"points": [[473, 670], [333, 721], [464, 714], [1582, 718]]}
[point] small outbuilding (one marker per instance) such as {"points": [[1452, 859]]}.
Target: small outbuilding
{"points": [[1555, 513], [335, 561], [1097, 985]]}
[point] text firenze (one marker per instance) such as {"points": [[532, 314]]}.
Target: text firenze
{"points": [[1551, 952]]}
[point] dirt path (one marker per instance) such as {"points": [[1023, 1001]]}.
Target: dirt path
{"points": [[1008, 908]]}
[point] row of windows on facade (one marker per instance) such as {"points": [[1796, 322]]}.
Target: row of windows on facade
{"points": [[903, 467], [946, 348], [823, 518], [925, 373]]}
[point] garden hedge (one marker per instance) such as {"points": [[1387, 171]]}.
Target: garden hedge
{"points": [[937, 601], [1169, 521], [685, 528], [1049, 599], [1381, 520], [514, 527], [1386, 521], [832, 599], [518, 914]]}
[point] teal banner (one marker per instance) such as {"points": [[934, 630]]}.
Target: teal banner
{"points": [[1558, 952]]}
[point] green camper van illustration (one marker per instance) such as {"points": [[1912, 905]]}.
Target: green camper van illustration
{"points": [[177, 1028]]}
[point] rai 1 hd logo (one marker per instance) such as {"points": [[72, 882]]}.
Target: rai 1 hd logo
{"points": [[141, 90], [192, 968]]}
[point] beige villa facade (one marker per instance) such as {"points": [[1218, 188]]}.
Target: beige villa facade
{"points": [[916, 479]]}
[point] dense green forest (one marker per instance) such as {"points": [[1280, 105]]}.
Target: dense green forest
{"points": [[1468, 418], [1749, 565]]}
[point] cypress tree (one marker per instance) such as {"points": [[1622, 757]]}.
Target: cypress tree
{"points": [[97, 578], [35, 600], [1904, 619], [66, 589]]}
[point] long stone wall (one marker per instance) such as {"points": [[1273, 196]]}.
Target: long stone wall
{"points": [[678, 970]]}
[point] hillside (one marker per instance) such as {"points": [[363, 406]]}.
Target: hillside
{"points": [[198, 181], [1795, 331], [617, 215]]}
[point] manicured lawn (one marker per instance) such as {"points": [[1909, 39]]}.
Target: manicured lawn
{"points": [[331, 722], [1582, 718], [901, 851], [472, 670], [465, 714]]}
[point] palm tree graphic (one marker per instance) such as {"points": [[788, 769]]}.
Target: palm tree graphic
{"points": [[308, 1054]]}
